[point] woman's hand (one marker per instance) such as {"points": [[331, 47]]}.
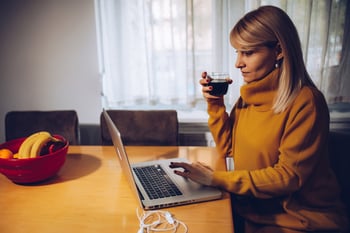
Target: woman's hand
{"points": [[204, 81], [197, 172]]}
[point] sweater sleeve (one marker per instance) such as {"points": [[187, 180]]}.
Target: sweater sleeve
{"points": [[302, 144], [220, 125]]}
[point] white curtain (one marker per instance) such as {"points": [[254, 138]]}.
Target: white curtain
{"points": [[152, 52], [336, 72]]}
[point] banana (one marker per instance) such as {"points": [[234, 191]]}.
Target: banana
{"points": [[40, 141], [26, 146]]}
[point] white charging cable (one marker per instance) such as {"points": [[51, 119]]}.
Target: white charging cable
{"points": [[158, 221]]}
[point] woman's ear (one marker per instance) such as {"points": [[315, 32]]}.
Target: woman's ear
{"points": [[279, 52]]}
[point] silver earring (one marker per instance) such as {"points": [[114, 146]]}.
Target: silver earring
{"points": [[276, 65]]}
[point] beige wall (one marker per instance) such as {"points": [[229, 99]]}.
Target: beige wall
{"points": [[48, 58]]}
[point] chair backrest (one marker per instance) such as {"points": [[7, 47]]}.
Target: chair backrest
{"points": [[339, 152], [23, 123], [143, 127]]}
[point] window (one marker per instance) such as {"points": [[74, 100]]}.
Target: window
{"points": [[153, 51]]}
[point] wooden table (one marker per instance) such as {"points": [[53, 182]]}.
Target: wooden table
{"points": [[90, 194]]}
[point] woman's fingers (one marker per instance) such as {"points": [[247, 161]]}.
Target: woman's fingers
{"points": [[179, 165], [197, 172], [185, 166]]}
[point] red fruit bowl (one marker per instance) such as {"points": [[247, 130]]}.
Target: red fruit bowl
{"points": [[31, 170]]}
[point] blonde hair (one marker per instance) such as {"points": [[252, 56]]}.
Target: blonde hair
{"points": [[270, 26]]}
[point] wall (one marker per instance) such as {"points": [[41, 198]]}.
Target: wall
{"points": [[48, 58]]}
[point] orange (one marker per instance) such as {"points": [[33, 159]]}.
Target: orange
{"points": [[6, 153]]}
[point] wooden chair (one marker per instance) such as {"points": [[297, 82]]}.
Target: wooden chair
{"points": [[143, 127], [23, 123]]}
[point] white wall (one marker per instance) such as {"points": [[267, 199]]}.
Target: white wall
{"points": [[48, 58]]}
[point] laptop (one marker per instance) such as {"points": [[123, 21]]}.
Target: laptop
{"points": [[144, 177]]}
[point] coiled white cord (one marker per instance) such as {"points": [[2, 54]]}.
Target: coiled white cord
{"points": [[158, 221]]}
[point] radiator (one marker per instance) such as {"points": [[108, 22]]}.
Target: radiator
{"points": [[195, 134]]}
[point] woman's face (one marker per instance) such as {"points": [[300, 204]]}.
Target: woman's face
{"points": [[256, 63]]}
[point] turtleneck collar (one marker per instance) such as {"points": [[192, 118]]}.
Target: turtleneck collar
{"points": [[261, 93]]}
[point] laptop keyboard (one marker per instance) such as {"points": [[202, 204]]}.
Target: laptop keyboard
{"points": [[156, 182]]}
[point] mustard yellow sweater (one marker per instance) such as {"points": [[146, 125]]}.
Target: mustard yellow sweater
{"points": [[282, 174]]}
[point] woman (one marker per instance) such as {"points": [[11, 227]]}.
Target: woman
{"points": [[276, 133]]}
